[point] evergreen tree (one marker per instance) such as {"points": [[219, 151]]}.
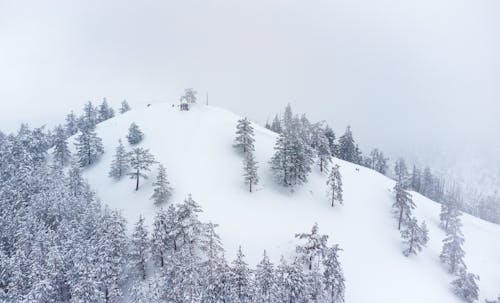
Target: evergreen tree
{"points": [[89, 119], [241, 279], [276, 125], [321, 146], [71, 124], [401, 172], [333, 276], [139, 251], [311, 252], [347, 149], [244, 136], [250, 170], [416, 179], [334, 185], [61, 151], [330, 136], [452, 253], [121, 162], [135, 135], [140, 161], [414, 237], [403, 204], [162, 189], [105, 112], [295, 286], [450, 208], [378, 161], [88, 146], [264, 282], [466, 287], [124, 107], [426, 186], [189, 95]]}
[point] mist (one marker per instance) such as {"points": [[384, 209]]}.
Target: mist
{"points": [[418, 79]]}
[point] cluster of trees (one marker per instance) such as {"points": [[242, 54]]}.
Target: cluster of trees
{"points": [[136, 163], [452, 254], [415, 236], [188, 265]]}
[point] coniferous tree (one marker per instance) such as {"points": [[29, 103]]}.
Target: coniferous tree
{"points": [[71, 124], [321, 146], [124, 107], [276, 125], [61, 152], [139, 251], [333, 276], [140, 161], [450, 208], [403, 204], [330, 136], [452, 253], [250, 170], [401, 172], [378, 161], [311, 252], [121, 162], [189, 95], [334, 185], [295, 286], [416, 179], [466, 287], [241, 279], [89, 119], [135, 135], [414, 236], [347, 149], [162, 189], [244, 136], [264, 281], [105, 112], [88, 146], [426, 186]]}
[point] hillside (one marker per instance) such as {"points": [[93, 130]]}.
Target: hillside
{"points": [[196, 147]]}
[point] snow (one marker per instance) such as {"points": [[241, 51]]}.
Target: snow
{"points": [[196, 148]]}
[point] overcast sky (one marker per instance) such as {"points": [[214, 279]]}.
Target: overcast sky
{"points": [[409, 76]]}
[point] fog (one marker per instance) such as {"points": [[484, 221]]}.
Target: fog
{"points": [[416, 78]]}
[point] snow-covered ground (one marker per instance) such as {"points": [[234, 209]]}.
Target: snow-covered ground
{"points": [[196, 148]]}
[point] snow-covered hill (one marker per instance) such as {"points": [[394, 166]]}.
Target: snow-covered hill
{"points": [[196, 147]]}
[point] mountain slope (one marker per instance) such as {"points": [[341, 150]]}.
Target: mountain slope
{"points": [[196, 147]]}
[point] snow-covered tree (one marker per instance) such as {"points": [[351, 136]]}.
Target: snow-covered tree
{"points": [[264, 281], [276, 125], [403, 204], [60, 151], [452, 253], [414, 236], [450, 207], [293, 284], [334, 185], [378, 161], [88, 146], [465, 286], [135, 135], [330, 136], [314, 248], [250, 170], [124, 107], [121, 162], [321, 145], [416, 179], [139, 250], [140, 161], [89, 119], [71, 124], [333, 276], [240, 279], [165, 234], [162, 189], [347, 149], [105, 111], [244, 136], [401, 173], [189, 95]]}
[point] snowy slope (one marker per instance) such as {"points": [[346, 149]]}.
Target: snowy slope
{"points": [[196, 147]]}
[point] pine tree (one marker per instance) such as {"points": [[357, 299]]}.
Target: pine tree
{"points": [[61, 152], [121, 162], [415, 237], [89, 118], [330, 136], [71, 124], [452, 253], [250, 170], [105, 112], [321, 146], [311, 252], [333, 276], [189, 95], [466, 287], [334, 185], [124, 107], [295, 286], [139, 251], [450, 207], [264, 281], [403, 204], [135, 135], [140, 161], [244, 136], [379, 161], [88, 146], [347, 147], [276, 125], [240, 279], [401, 172], [416, 179], [162, 189]]}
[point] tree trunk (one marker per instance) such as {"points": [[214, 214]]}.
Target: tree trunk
{"points": [[137, 182], [400, 218], [250, 186]]}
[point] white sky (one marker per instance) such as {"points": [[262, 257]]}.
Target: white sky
{"points": [[409, 76]]}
